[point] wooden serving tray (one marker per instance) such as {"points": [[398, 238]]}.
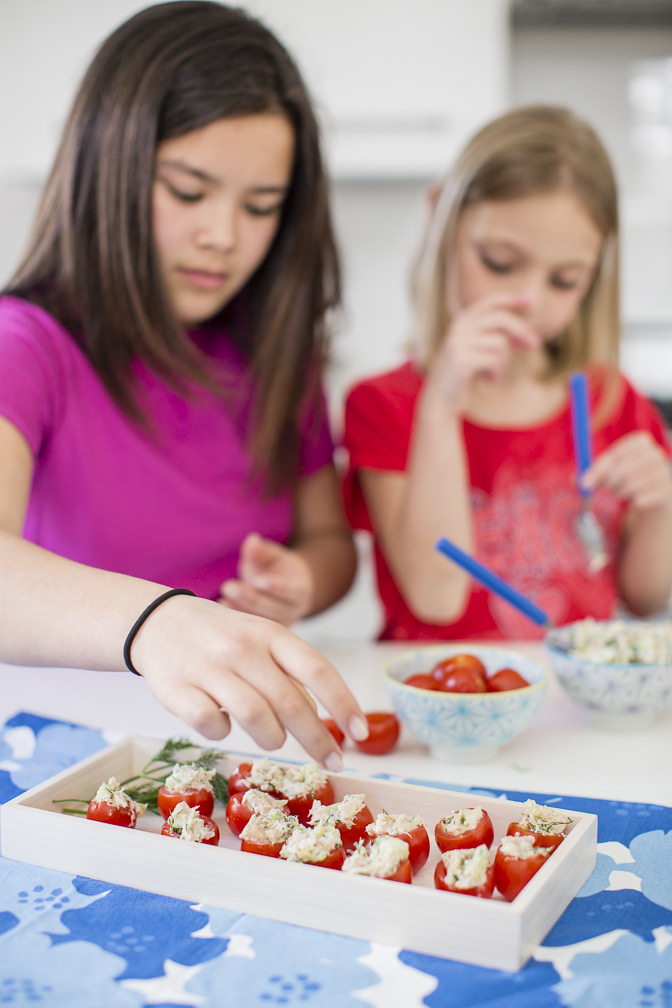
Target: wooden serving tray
{"points": [[418, 917]]}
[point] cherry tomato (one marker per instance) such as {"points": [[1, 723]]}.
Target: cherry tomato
{"points": [[448, 839], [462, 680], [265, 847], [331, 726], [417, 839], [422, 680], [201, 798], [300, 805], [506, 679], [334, 859], [404, 873], [356, 830], [167, 830], [238, 814], [513, 873], [383, 733], [467, 662], [102, 811], [551, 840], [239, 780], [485, 890]]}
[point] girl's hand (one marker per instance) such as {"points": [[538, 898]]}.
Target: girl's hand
{"points": [[634, 468], [480, 344], [206, 663], [273, 581]]}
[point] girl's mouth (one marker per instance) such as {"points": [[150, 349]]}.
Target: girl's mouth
{"points": [[205, 279]]}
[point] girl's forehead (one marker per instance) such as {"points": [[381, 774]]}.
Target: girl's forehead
{"points": [[556, 222]]}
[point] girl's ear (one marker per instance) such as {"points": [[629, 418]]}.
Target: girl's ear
{"points": [[432, 194]]}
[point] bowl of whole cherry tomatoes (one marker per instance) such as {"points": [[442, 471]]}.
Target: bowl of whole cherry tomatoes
{"points": [[465, 704]]}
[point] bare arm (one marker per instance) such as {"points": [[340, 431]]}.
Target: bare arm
{"points": [[202, 661], [286, 584], [637, 469], [411, 511]]}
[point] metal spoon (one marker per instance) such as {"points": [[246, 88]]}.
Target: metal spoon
{"points": [[588, 528]]}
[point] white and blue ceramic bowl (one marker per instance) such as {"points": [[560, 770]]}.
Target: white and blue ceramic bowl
{"points": [[464, 727], [616, 696]]}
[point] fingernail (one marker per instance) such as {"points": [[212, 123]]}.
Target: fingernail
{"points": [[358, 728], [334, 762], [231, 590]]}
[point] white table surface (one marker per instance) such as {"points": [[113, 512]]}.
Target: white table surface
{"points": [[559, 753]]}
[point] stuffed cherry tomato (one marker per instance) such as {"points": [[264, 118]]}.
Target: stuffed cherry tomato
{"points": [[351, 817], [517, 860], [316, 845], [243, 804], [460, 673], [303, 785], [267, 834], [506, 679], [411, 829], [546, 825], [470, 872], [387, 857], [187, 823], [112, 805], [190, 784], [462, 828], [334, 730], [383, 734], [263, 774]]}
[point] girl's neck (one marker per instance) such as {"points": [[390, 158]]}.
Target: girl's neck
{"points": [[519, 400]]}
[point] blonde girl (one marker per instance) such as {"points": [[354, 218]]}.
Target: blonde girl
{"points": [[515, 287]]}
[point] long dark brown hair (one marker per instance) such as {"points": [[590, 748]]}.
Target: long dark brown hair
{"points": [[91, 261]]}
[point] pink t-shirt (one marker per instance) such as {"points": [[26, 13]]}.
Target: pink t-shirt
{"points": [[524, 506], [171, 506]]}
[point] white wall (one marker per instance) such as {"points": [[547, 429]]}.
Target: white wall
{"points": [[399, 84]]}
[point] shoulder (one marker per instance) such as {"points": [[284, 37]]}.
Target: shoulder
{"points": [[623, 407], [24, 324], [398, 388]]}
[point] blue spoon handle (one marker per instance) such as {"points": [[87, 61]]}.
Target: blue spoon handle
{"points": [[493, 582], [583, 453]]}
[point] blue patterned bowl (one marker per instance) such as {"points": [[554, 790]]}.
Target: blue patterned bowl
{"points": [[616, 696], [464, 727]]}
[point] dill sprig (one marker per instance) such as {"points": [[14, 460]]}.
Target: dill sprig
{"points": [[144, 786]]}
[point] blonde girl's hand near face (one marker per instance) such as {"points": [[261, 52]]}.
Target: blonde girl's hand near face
{"points": [[637, 470], [481, 343]]}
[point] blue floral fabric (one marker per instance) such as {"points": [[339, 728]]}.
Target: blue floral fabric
{"points": [[70, 941]]}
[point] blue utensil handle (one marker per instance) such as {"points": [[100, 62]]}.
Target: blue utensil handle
{"points": [[583, 452], [493, 582]]}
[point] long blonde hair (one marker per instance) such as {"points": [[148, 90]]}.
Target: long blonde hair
{"points": [[527, 151]]}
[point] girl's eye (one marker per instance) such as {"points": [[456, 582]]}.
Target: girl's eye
{"points": [[496, 265], [263, 211], [183, 197], [563, 284]]}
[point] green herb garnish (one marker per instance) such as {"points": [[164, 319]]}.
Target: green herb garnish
{"points": [[144, 786]]}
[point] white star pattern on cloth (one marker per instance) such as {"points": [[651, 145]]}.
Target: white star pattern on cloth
{"points": [[399, 984], [169, 987]]}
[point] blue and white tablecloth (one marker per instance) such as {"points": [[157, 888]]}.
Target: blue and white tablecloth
{"points": [[76, 943]]}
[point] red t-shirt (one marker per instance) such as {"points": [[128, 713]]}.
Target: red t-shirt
{"points": [[523, 500]]}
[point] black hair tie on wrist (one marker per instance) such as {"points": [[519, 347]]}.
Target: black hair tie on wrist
{"points": [[141, 619]]}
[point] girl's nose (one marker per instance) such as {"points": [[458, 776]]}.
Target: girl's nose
{"points": [[220, 230]]}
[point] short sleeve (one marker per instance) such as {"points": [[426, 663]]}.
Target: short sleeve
{"points": [[316, 446], [30, 370], [378, 422]]}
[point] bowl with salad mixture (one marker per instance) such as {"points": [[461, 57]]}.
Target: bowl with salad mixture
{"points": [[620, 670]]}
